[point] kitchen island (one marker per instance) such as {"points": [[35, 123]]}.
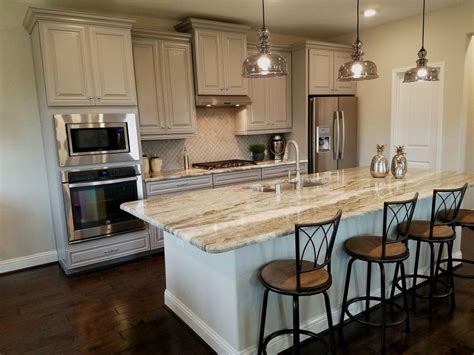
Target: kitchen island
{"points": [[216, 240]]}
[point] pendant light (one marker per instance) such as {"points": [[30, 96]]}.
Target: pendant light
{"points": [[422, 72], [358, 68], [264, 64]]}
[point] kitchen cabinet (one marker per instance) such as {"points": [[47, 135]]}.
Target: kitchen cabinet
{"points": [[323, 72], [87, 65], [164, 79], [270, 111], [156, 237], [236, 177], [177, 185], [219, 51]]}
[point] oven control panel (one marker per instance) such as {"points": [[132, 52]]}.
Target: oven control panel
{"points": [[101, 174]]}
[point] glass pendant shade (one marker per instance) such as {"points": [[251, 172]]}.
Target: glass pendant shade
{"points": [[422, 72], [357, 69], [264, 64]]}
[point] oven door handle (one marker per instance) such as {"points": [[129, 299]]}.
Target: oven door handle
{"points": [[104, 182]]}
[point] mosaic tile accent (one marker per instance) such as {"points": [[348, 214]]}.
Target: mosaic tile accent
{"points": [[215, 140]]}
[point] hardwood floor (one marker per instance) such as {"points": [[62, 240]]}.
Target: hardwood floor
{"points": [[120, 310]]}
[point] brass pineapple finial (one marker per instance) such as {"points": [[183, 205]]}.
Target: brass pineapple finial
{"points": [[380, 148], [400, 149]]}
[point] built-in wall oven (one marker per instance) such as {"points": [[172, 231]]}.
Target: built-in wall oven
{"points": [[93, 197], [96, 138]]}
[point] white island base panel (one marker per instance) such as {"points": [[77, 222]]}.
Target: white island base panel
{"points": [[220, 297]]}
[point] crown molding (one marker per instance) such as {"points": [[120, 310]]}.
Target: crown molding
{"points": [[163, 35], [191, 23], [35, 14]]}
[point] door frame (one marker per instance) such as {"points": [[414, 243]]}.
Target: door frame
{"points": [[394, 111]]}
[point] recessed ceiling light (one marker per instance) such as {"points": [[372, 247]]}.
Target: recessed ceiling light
{"points": [[370, 13]]}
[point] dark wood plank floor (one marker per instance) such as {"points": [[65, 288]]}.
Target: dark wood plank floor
{"points": [[120, 310]]}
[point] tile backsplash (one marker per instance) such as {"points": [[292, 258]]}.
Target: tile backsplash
{"points": [[215, 140]]}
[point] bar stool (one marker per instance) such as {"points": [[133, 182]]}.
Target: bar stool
{"points": [[388, 248], [438, 230], [300, 277], [464, 219]]}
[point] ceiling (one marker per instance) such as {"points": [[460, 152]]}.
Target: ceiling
{"points": [[312, 18]]}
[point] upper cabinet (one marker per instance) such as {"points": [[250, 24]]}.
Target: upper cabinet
{"points": [[323, 72], [164, 79], [219, 51], [87, 60], [270, 111]]}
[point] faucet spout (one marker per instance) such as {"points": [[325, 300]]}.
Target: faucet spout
{"points": [[297, 180]]}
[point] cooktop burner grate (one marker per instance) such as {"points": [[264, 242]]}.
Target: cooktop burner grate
{"points": [[232, 163]]}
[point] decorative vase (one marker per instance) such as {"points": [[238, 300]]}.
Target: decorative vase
{"points": [[258, 156], [379, 164], [399, 163]]}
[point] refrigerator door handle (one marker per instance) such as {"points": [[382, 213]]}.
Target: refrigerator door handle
{"points": [[317, 139], [335, 133], [343, 140]]}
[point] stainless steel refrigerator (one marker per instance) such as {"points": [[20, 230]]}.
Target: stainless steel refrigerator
{"points": [[332, 127]]}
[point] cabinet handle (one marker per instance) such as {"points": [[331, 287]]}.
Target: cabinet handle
{"points": [[98, 99], [169, 127], [90, 99], [111, 251], [181, 185]]}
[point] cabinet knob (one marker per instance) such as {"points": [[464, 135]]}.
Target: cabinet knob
{"points": [[98, 99], [169, 126], [226, 89], [90, 99]]}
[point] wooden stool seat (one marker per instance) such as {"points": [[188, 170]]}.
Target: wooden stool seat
{"points": [[370, 246], [281, 274], [465, 218], [421, 230]]}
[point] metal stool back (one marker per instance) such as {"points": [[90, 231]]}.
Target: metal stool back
{"points": [[320, 238]]}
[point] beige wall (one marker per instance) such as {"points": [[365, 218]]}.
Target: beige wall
{"points": [[395, 45], [25, 217]]}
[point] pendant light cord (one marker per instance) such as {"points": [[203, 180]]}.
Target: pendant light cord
{"points": [[358, 20], [263, 13], [423, 28]]}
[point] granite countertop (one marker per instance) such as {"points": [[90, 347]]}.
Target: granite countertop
{"points": [[180, 173], [228, 218]]}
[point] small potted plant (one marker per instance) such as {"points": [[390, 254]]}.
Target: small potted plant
{"points": [[258, 151]]}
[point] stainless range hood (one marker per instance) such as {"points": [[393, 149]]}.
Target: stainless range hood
{"points": [[222, 101]]}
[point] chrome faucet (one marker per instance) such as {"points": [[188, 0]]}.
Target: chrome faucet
{"points": [[297, 180]]}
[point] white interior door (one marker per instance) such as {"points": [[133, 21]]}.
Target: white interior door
{"points": [[417, 112]]}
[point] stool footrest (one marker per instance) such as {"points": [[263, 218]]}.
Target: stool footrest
{"points": [[464, 261], [357, 318], [412, 291], [273, 335]]}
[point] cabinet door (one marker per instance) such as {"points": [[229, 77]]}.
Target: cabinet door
{"points": [[68, 75], [156, 237], [257, 112], [176, 71], [149, 89], [278, 91], [235, 52], [321, 72], [342, 87], [112, 63], [208, 61]]}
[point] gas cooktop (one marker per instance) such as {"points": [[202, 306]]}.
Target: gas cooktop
{"points": [[232, 163]]}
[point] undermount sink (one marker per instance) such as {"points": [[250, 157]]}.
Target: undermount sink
{"points": [[285, 185]]}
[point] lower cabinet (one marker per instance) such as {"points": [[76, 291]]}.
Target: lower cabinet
{"points": [[236, 177], [156, 237], [178, 185], [100, 250], [282, 170]]}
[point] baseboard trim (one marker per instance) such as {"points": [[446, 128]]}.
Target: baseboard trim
{"points": [[28, 261], [207, 334]]}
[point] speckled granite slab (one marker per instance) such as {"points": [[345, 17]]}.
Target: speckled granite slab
{"points": [[176, 174], [223, 219]]}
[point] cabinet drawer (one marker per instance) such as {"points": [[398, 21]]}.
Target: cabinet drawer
{"points": [[97, 253], [237, 177], [177, 185], [282, 170]]}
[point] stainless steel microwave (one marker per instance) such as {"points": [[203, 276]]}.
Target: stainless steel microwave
{"points": [[96, 138]]}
